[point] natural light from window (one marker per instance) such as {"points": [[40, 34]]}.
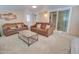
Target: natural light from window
{"points": [[28, 18]]}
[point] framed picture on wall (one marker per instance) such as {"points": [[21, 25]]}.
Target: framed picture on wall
{"points": [[8, 16]]}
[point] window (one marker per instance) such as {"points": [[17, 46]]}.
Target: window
{"points": [[28, 18]]}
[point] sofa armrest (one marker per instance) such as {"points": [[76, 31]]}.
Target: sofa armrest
{"points": [[33, 26], [50, 31]]}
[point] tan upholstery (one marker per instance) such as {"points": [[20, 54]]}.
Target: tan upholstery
{"points": [[12, 28], [45, 29]]}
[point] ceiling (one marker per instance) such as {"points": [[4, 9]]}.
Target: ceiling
{"points": [[29, 7]]}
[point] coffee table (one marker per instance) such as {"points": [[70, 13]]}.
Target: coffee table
{"points": [[28, 37]]}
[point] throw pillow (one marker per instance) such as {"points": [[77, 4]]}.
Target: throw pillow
{"points": [[13, 27], [43, 26], [19, 26], [38, 26], [47, 26]]}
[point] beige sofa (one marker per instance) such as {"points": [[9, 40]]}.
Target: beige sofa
{"points": [[13, 28], [44, 29]]}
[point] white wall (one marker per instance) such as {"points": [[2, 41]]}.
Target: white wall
{"points": [[42, 17], [74, 21], [32, 17]]}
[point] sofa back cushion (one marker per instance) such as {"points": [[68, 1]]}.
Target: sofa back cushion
{"points": [[47, 26], [13, 26], [19, 25], [38, 26], [43, 26]]}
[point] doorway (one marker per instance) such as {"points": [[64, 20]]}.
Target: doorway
{"points": [[63, 17], [53, 17]]}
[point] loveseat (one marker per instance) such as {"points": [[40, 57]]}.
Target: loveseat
{"points": [[44, 29]]}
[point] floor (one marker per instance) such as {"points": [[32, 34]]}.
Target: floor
{"points": [[57, 43]]}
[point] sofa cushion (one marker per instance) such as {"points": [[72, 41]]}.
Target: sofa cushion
{"points": [[13, 27], [47, 26], [43, 26], [8, 28], [19, 26], [38, 26], [44, 30]]}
